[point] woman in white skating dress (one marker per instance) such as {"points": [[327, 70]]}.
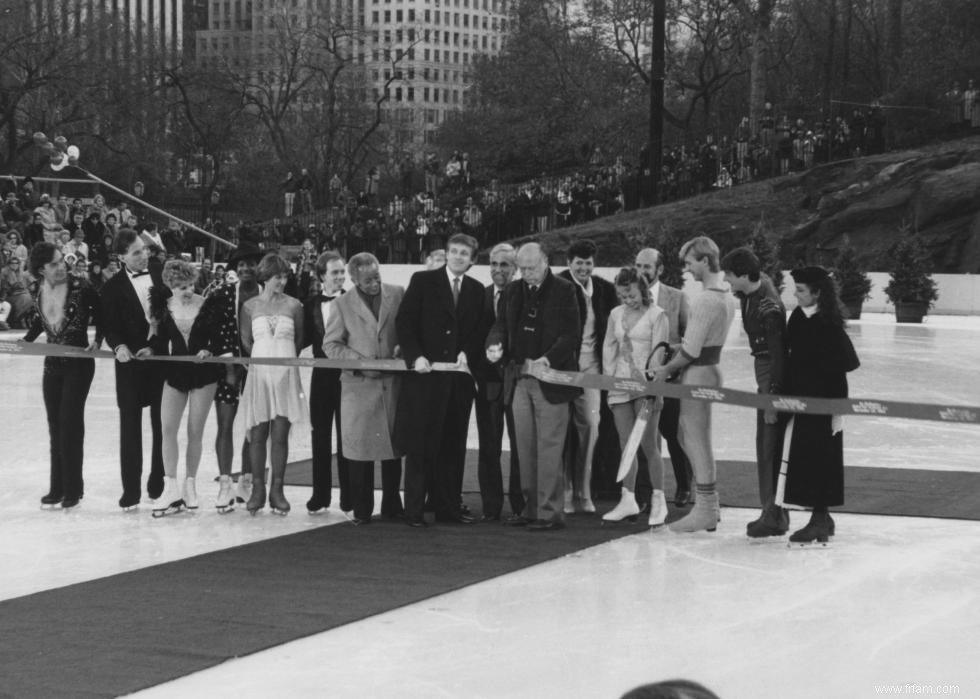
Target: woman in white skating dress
{"points": [[271, 325]]}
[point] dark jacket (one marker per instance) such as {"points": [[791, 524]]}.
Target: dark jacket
{"points": [[558, 330]]}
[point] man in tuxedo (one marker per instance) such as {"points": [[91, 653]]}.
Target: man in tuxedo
{"points": [[232, 296], [325, 388], [491, 411], [596, 298], [440, 320], [539, 322], [139, 384], [675, 304]]}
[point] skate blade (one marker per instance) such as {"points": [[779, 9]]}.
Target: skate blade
{"points": [[173, 509], [53, 506], [130, 508], [808, 545], [224, 509]]}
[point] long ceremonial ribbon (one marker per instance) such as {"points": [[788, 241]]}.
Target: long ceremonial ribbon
{"points": [[393, 365], [762, 401], [758, 401]]}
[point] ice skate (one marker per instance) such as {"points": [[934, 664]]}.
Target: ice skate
{"points": [[69, 504], [225, 502], [51, 501], [704, 516], [244, 488], [658, 509], [626, 509], [773, 522], [190, 493], [816, 532], [277, 500], [169, 502], [256, 500]]}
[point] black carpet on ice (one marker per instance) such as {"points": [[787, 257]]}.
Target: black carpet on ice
{"points": [[134, 630], [870, 491]]}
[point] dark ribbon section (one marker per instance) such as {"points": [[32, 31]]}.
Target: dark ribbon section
{"points": [[45, 350], [761, 401], [969, 414]]}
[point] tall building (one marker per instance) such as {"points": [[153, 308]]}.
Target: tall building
{"points": [[416, 53], [422, 52], [134, 30]]}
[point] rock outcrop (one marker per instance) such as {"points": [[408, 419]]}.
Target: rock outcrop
{"points": [[934, 190]]}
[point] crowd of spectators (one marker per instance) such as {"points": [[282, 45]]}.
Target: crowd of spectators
{"points": [[408, 225]]}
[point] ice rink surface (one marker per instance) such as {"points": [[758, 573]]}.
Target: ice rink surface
{"points": [[892, 603]]}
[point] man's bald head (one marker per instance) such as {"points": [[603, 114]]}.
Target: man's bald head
{"points": [[532, 262], [648, 263]]}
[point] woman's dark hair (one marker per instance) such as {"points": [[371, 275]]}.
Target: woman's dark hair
{"points": [[671, 689], [628, 276], [270, 266], [41, 254], [828, 301]]}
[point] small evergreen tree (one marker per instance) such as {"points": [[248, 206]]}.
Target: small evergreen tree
{"points": [[767, 250], [911, 280], [855, 286]]}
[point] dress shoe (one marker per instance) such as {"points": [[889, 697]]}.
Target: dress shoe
{"points": [[50, 501], [416, 523], [681, 497], [358, 521], [516, 521], [392, 510], [455, 518], [490, 518], [551, 525], [773, 522]]}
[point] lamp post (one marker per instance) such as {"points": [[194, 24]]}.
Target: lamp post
{"points": [[657, 70], [62, 155]]}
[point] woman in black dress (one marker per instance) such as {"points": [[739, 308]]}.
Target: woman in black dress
{"points": [[185, 324], [64, 307], [820, 355]]}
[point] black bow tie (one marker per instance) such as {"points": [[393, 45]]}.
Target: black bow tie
{"points": [[133, 275]]}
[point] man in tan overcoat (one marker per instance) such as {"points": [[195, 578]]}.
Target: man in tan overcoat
{"points": [[362, 326]]}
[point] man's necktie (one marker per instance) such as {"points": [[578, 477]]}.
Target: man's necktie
{"points": [[455, 291], [496, 303]]}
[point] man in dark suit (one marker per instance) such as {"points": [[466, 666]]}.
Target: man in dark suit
{"points": [[674, 303], [139, 384], [539, 322], [440, 320], [596, 298], [491, 412], [325, 388]]}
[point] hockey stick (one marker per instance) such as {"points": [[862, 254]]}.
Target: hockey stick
{"points": [[784, 464]]}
